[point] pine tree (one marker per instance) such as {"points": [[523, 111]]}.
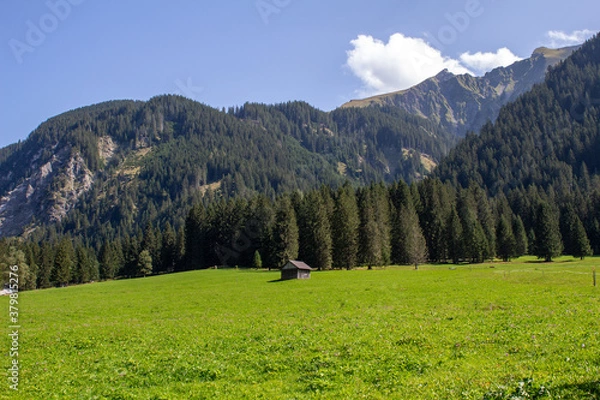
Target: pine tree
{"points": [[581, 243], [474, 240], [413, 247], [284, 235], [575, 237], [315, 232], [257, 261], [505, 240], [486, 219], [195, 238], [548, 243], [374, 232], [520, 235], [44, 278], [83, 267], [168, 253], [435, 203], [64, 261], [345, 229], [454, 237], [144, 263], [107, 262], [180, 249], [31, 282]]}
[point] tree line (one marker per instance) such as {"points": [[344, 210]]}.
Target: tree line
{"points": [[342, 228]]}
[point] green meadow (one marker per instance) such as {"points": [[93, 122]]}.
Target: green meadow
{"points": [[518, 330]]}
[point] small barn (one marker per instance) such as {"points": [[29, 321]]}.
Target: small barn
{"points": [[295, 270]]}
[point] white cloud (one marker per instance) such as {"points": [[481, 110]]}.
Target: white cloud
{"points": [[557, 39], [484, 62], [399, 64], [405, 61]]}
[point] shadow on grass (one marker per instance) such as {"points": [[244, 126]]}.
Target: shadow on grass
{"points": [[586, 389], [277, 280]]}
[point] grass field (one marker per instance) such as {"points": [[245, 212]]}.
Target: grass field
{"points": [[395, 333]]}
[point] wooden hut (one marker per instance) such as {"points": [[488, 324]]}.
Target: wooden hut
{"points": [[295, 270]]}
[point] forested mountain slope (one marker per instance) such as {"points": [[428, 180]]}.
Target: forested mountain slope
{"points": [[549, 137], [109, 168]]}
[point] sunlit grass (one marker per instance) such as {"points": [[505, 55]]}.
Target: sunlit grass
{"points": [[441, 332]]}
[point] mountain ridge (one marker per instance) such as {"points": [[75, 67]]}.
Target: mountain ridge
{"points": [[464, 103]]}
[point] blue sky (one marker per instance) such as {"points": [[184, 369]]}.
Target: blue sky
{"points": [[57, 55]]}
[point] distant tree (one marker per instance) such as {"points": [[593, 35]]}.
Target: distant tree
{"points": [[345, 228], [486, 220], [44, 277], [505, 240], [520, 236], [548, 243], [415, 246], [144, 263], [581, 243], [107, 262], [64, 261], [315, 232], [257, 261], [374, 232], [454, 237], [83, 265], [33, 268], [575, 237], [284, 235], [474, 239], [168, 251], [195, 238]]}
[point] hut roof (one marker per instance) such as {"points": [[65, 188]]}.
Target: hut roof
{"points": [[300, 265]]}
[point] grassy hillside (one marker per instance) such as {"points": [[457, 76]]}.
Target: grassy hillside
{"points": [[436, 333]]}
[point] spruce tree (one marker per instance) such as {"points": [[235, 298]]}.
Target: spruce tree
{"points": [[505, 240], [64, 261], [345, 229], [520, 235], [581, 243], [575, 237], [548, 242], [284, 246], [412, 242], [374, 233], [454, 237], [83, 268], [315, 232], [107, 262], [474, 240], [44, 278], [257, 261], [195, 239], [144, 263], [168, 251]]}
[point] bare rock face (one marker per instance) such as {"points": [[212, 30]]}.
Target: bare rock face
{"points": [[49, 193], [463, 103]]}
